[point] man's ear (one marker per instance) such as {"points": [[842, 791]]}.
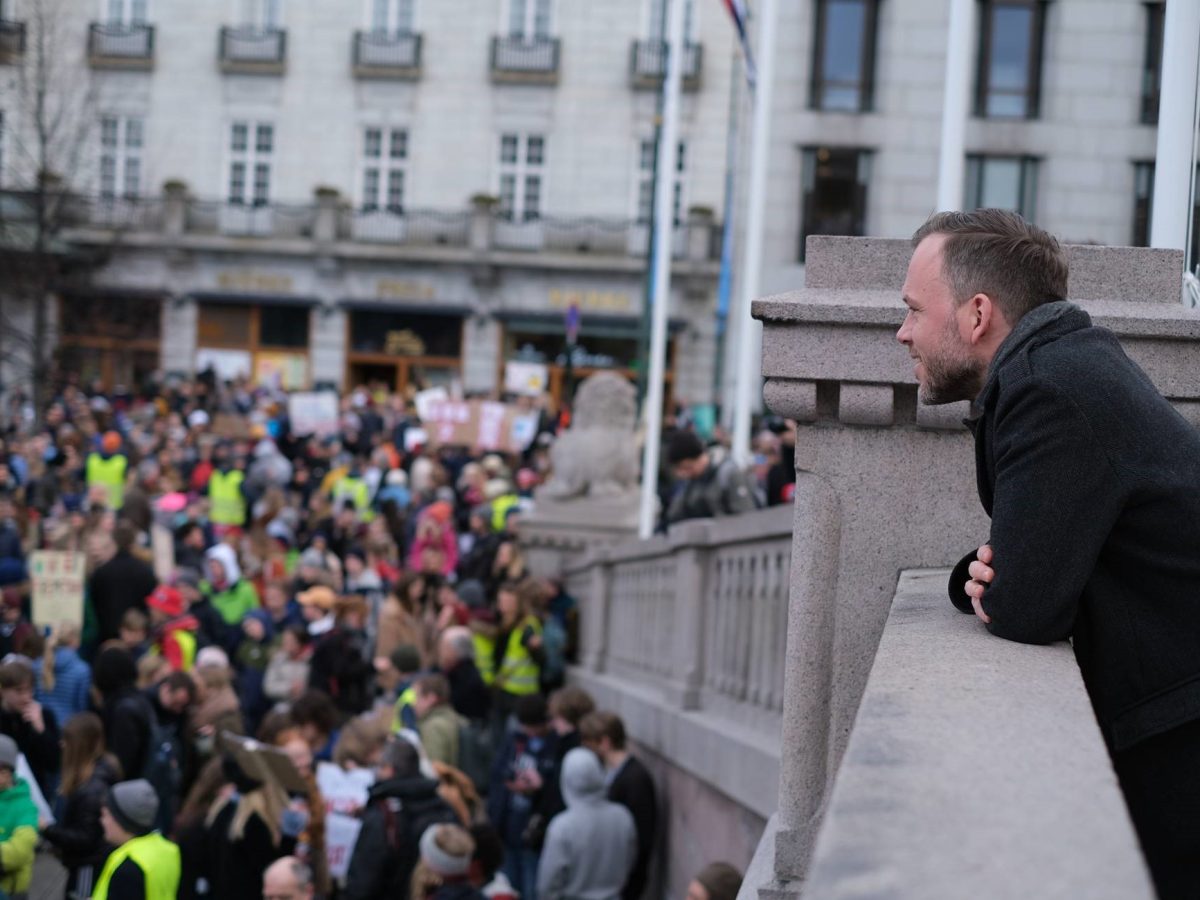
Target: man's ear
{"points": [[985, 318]]}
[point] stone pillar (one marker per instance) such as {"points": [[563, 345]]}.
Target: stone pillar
{"points": [[327, 353], [325, 227], [884, 483], [179, 334], [174, 208], [481, 353], [483, 222], [691, 542]]}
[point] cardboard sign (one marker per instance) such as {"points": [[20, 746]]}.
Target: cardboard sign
{"points": [[481, 425], [344, 792], [58, 578], [341, 834], [424, 400], [264, 763], [231, 427], [528, 379], [313, 412], [162, 545]]}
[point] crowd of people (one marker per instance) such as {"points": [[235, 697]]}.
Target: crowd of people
{"points": [[358, 605]]}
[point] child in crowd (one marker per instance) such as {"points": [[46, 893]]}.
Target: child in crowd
{"points": [[134, 634], [18, 824], [14, 627]]}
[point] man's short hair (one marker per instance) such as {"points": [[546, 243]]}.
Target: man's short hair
{"points": [[996, 252], [401, 757], [434, 684], [684, 445], [135, 620], [571, 704], [315, 708], [16, 675], [458, 638], [181, 681], [603, 724]]}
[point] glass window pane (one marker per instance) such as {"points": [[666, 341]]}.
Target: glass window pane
{"points": [[431, 335], [833, 194], [1000, 184], [1008, 60], [646, 156], [108, 132], [283, 326], [645, 201], [508, 195], [133, 176], [533, 197], [237, 182], [406, 16], [370, 189], [535, 150], [264, 138], [372, 143], [379, 15], [108, 175], [238, 136], [681, 159], [223, 325], [842, 54], [133, 132], [396, 190], [541, 20], [508, 148], [399, 148], [516, 18], [116, 11], [262, 184], [137, 12]]}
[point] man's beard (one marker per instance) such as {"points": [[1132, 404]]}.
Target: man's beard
{"points": [[953, 374]]}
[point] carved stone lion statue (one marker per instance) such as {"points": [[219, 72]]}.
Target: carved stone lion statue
{"points": [[597, 456]]}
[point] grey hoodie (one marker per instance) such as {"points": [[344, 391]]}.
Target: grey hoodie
{"points": [[591, 847]]}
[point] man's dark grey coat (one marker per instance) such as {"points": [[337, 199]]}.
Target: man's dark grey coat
{"points": [[1092, 481]]}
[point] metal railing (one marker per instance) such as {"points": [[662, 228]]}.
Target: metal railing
{"points": [[648, 64], [413, 227], [253, 49], [525, 58], [379, 54], [12, 40], [113, 44]]}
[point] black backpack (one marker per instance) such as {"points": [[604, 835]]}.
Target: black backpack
{"points": [[402, 830], [162, 769]]}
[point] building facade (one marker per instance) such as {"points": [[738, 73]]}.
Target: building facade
{"points": [[411, 192]]}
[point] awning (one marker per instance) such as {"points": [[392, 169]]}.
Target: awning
{"points": [[412, 309], [236, 299]]}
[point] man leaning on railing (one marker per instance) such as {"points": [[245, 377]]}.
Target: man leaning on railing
{"points": [[710, 486]]}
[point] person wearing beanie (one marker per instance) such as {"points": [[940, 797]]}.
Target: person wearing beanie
{"points": [[710, 487], [18, 823], [173, 628], [716, 881], [106, 471], [445, 870], [144, 865]]}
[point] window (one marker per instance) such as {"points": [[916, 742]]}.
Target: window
{"points": [[262, 14], [835, 192], [522, 159], [1152, 66], [529, 19], [1002, 182], [843, 73], [393, 16], [385, 155], [1008, 84], [645, 196], [120, 157], [250, 150], [656, 27], [126, 12], [1143, 198]]}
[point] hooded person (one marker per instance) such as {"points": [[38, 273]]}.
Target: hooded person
{"points": [[18, 823], [232, 595], [174, 634], [144, 863], [590, 849]]}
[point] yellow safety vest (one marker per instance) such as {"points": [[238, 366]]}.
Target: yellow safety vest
{"points": [[407, 698], [187, 646], [225, 492], [158, 859], [354, 490], [110, 474], [485, 662], [518, 672], [500, 508]]}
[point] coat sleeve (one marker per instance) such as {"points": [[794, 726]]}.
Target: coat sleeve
{"points": [[16, 853], [83, 831], [1056, 500], [364, 878]]}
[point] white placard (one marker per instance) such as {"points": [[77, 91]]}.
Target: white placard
{"points": [[341, 834], [424, 401], [344, 792], [313, 413], [527, 379], [58, 577]]}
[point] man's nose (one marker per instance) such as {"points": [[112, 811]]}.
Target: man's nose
{"points": [[902, 332]]}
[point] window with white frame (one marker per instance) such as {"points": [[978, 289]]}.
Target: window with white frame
{"points": [[126, 12], [645, 194], [120, 156], [393, 16], [251, 147], [385, 160], [529, 19], [262, 14], [656, 27], [522, 164]]}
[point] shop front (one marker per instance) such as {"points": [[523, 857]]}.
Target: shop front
{"points": [[403, 348], [263, 339], [114, 340]]}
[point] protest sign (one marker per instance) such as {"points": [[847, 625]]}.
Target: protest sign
{"points": [[425, 399], [58, 577], [341, 834], [344, 792], [527, 379], [230, 426], [264, 763], [480, 425], [313, 412], [162, 545]]}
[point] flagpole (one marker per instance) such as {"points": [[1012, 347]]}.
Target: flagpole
{"points": [[664, 223], [725, 281], [755, 216]]}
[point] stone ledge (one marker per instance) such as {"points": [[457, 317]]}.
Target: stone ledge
{"points": [[742, 764], [975, 768]]}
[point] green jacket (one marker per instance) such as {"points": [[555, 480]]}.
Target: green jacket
{"points": [[439, 733], [18, 838], [234, 602]]}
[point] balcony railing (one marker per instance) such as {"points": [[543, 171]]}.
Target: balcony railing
{"points": [[525, 61], [481, 229], [379, 54], [12, 40], [116, 46], [253, 51], [648, 65]]}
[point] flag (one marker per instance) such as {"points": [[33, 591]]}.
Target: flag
{"points": [[737, 10]]}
